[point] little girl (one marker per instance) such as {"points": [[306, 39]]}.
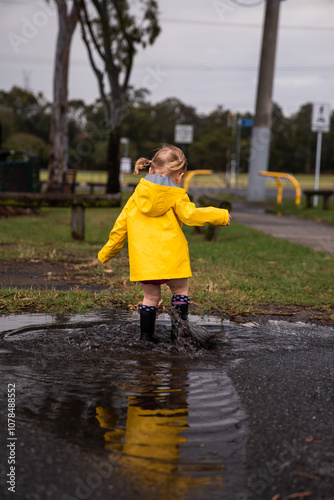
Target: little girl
{"points": [[158, 250]]}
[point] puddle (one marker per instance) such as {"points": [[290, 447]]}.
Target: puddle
{"points": [[101, 415], [169, 422]]}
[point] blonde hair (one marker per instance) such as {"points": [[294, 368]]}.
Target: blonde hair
{"points": [[166, 160]]}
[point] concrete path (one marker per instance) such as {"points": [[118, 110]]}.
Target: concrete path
{"points": [[316, 235]]}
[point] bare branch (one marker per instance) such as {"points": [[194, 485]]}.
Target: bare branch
{"points": [[90, 29], [97, 71], [130, 44]]}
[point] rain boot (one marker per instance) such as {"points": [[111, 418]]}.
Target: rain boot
{"points": [[147, 323], [179, 317]]}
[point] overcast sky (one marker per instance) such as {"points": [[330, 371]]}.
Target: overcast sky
{"points": [[207, 54]]}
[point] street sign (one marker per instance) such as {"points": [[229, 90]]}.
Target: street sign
{"points": [[246, 123], [320, 117], [125, 165], [320, 123], [184, 134]]}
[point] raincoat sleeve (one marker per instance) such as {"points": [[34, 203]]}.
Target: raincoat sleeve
{"points": [[117, 238], [190, 215]]}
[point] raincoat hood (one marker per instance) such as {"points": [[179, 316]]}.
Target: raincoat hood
{"points": [[156, 194]]}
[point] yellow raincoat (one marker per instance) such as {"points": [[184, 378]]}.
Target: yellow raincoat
{"points": [[152, 220]]}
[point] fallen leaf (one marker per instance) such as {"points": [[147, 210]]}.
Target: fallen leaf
{"points": [[302, 494], [311, 439], [309, 476]]}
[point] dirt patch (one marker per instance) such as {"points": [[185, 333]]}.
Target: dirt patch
{"points": [[6, 212], [37, 275]]}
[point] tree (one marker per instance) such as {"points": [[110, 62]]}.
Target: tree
{"points": [[112, 33], [22, 111], [58, 142], [23, 141]]}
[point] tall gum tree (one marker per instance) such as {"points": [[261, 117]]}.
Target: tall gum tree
{"points": [[112, 30], [58, 141]]}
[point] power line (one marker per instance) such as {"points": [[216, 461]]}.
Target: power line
{"points": [[203, 67], [245, 25], [206, 23], [177, 67]]}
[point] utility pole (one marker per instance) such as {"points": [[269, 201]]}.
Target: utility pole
{"points": [[261, 133]]}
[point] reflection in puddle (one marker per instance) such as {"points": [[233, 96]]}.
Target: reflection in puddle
{"points": [[172, 435], [171, 424], [148, 449]]}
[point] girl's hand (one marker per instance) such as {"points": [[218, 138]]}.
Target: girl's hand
{"points": [[229, 219]]}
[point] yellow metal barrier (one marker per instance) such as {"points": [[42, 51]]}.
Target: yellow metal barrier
{"points": [[278, 176], [191, 173]]}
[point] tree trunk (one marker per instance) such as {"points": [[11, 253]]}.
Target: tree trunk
{"points": [[58, 145], [113, 160]]}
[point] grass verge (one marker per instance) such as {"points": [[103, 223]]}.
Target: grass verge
{"points": [[317, 213], [244, 270]]}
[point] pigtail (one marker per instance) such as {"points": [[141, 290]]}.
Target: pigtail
{"points": [[140, 164], [177, 165]]}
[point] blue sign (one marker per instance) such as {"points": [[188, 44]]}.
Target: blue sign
{"points": [[246, 123]]}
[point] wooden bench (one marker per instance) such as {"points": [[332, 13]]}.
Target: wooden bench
{"points": [[324, 193], [92, 185], [77, 202], [211, 201]]}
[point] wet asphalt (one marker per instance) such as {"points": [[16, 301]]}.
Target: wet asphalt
{"points": [[250, 418], [287, 389]]}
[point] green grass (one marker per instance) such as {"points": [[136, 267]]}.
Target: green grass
{"points": [[288, 207], [245, 267], [243, 270]]}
